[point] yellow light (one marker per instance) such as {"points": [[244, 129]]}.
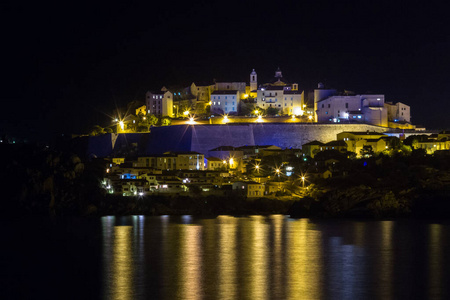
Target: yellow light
{"points": [[231, 161], [144, 118], [293, 117], [277, 170], [245, 95], [186, 113], [224, 161], [225, 119], [298, 111], [310, 117], [122, 126], [256, 112], [191, 119], [209, 102]]}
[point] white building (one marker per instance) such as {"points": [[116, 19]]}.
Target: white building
{"points": [[159, 103], [398, 112], [287, 100], [225, 102], [332, 108], [280, 95]]}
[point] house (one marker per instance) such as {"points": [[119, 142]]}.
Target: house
{"points": [[215, 163], [250, 189], [172, 161], [312, 148], [356, 141], [225, 102], [159, 103], [233, 156]]}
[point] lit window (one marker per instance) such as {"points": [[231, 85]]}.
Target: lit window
{"points": [[359, 117], [218, 103]]}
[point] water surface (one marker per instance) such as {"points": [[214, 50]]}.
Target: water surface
{"points": [[256, 257]]}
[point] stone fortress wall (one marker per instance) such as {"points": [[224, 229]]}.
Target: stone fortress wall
{"points": [[202, 138]]}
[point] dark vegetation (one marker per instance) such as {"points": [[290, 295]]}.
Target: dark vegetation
{"points": [[56, 182]]}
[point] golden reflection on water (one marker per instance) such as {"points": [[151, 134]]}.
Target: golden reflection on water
{"points": [[191, 267], [386, 261], [278, 265], [435, 260], [122, 272], [258, 262], [304, 261], [227, 258]]}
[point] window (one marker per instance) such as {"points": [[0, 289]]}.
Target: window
{"points": [[326, 113], [214, 103], [285, 104], [323, 105], [214, 97], [225, 97], [218, 102], [346, 105], [226, 103], [328, 105], [233, 102], [233, 107]]}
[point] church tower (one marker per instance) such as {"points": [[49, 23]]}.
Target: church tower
{"points": [[253, 81]]}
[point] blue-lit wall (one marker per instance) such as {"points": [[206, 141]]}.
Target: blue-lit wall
{"points": [[202, 138]]}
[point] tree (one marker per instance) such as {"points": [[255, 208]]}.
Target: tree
{"points": [[366, 151], [272, 111], [247, 109], [144, 122], [97, 130], [166, 121]]}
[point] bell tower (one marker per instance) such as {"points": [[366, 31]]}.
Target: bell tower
{"points": [[253, 81]]}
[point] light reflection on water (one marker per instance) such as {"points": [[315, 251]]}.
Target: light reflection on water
{"points": [[271, 257]]}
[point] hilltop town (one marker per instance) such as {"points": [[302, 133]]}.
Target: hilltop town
{"points": [[256, 140], [233, 147]]}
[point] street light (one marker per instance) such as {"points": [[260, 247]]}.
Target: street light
{"points": [[303, 181]]}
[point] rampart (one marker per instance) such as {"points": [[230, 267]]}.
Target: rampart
{"points": [[202, 138]]}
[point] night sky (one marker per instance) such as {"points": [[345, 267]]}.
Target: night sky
{"points": [[66, 65]]}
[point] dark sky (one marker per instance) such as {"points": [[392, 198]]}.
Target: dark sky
{"points": [[67, 64]]}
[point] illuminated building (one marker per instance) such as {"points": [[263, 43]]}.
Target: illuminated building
{"points": [[249, 188], [159, 103], [286, 98], [225, 102]]}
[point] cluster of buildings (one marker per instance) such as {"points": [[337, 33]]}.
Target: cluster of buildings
{"points": [[226, 169], [328, 105]]}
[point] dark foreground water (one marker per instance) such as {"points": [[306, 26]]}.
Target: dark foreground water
{"points": [[255, 257]]}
